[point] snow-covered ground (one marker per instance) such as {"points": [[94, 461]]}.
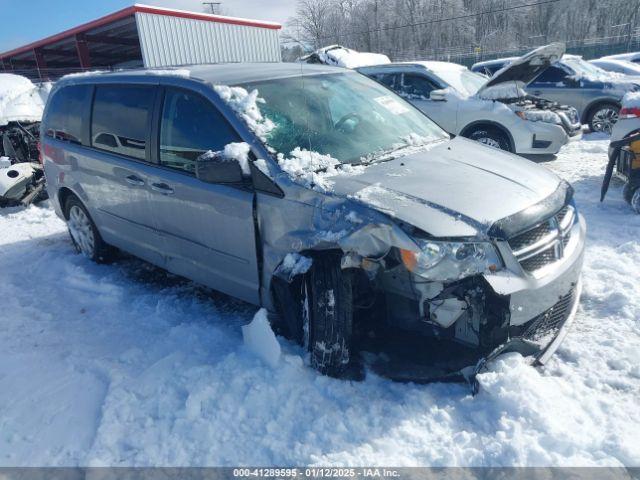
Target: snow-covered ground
{"points": [[124, 365]]}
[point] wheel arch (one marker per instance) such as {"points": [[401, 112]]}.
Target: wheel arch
{"points": [[64, 193], [586, 113], [492, 124]]}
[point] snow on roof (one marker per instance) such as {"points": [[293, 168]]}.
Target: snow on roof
{"points": [[340, 56], [437, 66], [20, 99], [623, 56]]}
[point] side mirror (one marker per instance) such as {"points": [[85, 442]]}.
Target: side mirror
{"points": [[438, 95], [213, 167]]}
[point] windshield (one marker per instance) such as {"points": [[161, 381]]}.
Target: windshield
{"points": [[346, 115], [463, 80], [583, 68]]}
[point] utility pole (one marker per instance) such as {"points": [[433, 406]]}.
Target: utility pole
{"points": [[212, 5]]}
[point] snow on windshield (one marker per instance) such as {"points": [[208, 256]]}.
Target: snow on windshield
{"points": [[328, 125], [587, 71], [245, 104], [463, 80]]}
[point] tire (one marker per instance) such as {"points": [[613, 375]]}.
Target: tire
{"points": [[83, 232], [635, 201], [327, 306], [490, 136], [602, 117], [627, 193]]}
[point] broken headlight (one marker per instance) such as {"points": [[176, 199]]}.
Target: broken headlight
{"points": [[449, 261]]}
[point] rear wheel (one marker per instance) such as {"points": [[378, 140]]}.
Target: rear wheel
{"points": [[327, 307], [491, 137], [83, 232], [603, 117]]}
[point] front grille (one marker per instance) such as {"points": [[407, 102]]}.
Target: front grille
{"points": [[539, 260], [530, 236], [546, 325], [546, 242]]}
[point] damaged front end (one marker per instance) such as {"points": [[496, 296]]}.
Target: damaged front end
{"points": [[439, 310]]}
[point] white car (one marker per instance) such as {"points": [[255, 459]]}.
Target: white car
{"points": [[617, 66], [495, 111], [633, 57]]}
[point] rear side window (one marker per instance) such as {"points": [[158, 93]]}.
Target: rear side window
{"points": [[120, 119], [65, 113], [191, 126]]}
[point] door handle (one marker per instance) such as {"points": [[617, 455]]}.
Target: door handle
{"points": [[537, 93], [162, 188], [134, 180]]}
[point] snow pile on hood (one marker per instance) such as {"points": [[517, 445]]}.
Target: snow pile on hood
{"points": [[312, 169], [260, 339], [514, 89], [20, 99], [631, 100], [339, 56], [245, 104]]}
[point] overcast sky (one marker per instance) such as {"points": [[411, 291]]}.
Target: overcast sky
{"points": [[23, 24]]}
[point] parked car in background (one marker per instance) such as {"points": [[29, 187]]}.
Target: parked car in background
{"points": [[339, 56], [595, 93], [623, 67], [21, 106], [336, 197], [496, 112], [633, 57]]}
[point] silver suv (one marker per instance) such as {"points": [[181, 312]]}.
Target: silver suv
{"points": [[320, 195]]}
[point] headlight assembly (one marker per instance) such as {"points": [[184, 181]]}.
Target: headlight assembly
{"points": [[449, 261], [544, 116]]}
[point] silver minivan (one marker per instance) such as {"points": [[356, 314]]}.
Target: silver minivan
{"points": [[321, 196]]}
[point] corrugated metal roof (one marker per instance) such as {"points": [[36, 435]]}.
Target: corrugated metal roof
{"points": [[170, 40]]}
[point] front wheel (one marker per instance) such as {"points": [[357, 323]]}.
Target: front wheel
{"points": [[490, 136], [603, 117], [327, 306]]}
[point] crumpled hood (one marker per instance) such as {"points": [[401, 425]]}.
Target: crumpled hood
{"points": [[523, 70], [457, 188]]}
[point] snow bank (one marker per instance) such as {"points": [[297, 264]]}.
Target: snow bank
{"points": [[631, 100], [260, 339], [20, 99], [245, 104], [340, 56]]}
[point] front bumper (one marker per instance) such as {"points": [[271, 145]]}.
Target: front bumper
{"points": [[539, 138]]}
